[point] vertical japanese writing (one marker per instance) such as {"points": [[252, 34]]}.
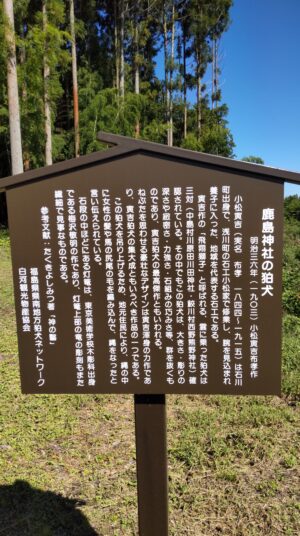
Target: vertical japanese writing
{"points": [[90, 343], [168, 282], [121, 290], [214, 264], [238, 292], [144, 279], [191, 305], [203, 353], [254, 300], [96, 228], [267, 267], [61, 235], [73, 238], [238, 236], [202, 288], [166, 215], [238, 335], [24, 299], [179, 293], [226, 284], [133, 289], [156, 283], [37, 325], [109, 267], [85, 245], [49, 279], [79, 340]]}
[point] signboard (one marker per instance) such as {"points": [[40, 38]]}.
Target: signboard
{"points": [[148, 274]]}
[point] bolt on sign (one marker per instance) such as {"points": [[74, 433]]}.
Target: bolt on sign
{"points": [[148, 269]]}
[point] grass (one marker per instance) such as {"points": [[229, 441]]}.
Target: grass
{"points": [[67, 463]]}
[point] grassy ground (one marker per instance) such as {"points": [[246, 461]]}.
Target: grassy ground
{"points": [[67, 463]]}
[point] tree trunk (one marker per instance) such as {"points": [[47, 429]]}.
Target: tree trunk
{"points": [[136, 76], [122, 61], [26, 152], [216, 74], [47, 106], [171, 73], [199, 94], [116, 45], [213, 74], [215, 82], [75, 83], [136, 67], [184, 86], [136, 56], [166, 67], [12, 91]]}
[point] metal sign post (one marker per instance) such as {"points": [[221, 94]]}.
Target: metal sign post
{"points": [[151, 459]]}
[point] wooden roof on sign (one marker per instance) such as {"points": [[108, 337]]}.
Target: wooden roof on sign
{"points": [[124, 146]]}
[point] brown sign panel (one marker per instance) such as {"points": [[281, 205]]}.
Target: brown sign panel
{"points": [[148, 274]]}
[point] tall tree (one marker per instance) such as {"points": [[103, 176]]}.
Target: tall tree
{"points": [[171, 74], [122, 48], [47, 103], [169, 28], [219, 22], [12, 90], [74, 78], [215, 73], [136, 58], [200, 31], [47, 59], [184, 52], [116, 44]]}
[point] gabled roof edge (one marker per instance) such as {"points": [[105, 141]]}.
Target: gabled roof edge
{"points": [[124, 145], [65, 166], [220, 161]]}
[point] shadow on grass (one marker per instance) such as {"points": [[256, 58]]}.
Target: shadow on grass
{"points": [[27, 511]]}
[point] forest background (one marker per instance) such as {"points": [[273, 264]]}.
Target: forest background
{"points": [[117, 43]]}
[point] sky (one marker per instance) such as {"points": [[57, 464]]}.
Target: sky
{"points": [[260, 61], [260, 81]]}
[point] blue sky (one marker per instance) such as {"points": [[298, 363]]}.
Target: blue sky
{"points": [[261, 81]]}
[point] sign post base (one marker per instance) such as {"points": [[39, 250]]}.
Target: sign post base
{"points": [[151, 459]]}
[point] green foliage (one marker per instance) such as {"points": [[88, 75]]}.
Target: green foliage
{"points": [[218, 140], [155, 131], [98, 53], [3, 94], [291, 356], [35, 45], [253, 159], [2, 41], [292, 207], [291, 296], [41, 44], [192, 142], [291, 256], [103, 109]]}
